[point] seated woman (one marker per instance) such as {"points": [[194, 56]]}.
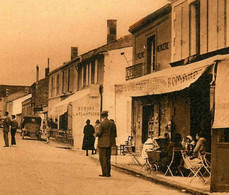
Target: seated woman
{"points": [[176, 143], [150, 144], [201, 144], [189, 145]]}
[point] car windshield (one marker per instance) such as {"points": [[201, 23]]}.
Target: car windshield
{"points": [[32, 120]]}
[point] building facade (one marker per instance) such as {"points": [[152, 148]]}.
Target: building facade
{"points": [[184, 91], [145, 114], [8, 90], [87, 84]]}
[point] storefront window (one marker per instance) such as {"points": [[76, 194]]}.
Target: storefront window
{"points": [[223, 135]]}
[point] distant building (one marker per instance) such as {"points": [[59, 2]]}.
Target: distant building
{"points": [[6, 94]]}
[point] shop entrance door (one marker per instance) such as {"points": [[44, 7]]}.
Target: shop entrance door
{"points": [[147, 120]]}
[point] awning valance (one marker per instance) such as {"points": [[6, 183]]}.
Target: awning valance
{"points": [[167, 80], [62, 107], [221, 118]]}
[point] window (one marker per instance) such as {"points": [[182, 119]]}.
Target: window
{"points": [[194, 23], [52, 87], [151, 54], [84, 75], [93, 72], [63, 82], [68, 79], [58, 85]]}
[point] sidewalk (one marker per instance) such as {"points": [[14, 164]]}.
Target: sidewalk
{"points": [[127, 164]]}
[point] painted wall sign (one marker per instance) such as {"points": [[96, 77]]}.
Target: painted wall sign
{"points": [[140, 55], [87, 111], [163, 47]]}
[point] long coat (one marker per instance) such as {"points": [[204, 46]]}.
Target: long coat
{"points": [[6, 124], [89, 139], [106, 133]]}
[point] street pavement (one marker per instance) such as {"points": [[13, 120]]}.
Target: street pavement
{"points": [[34, 167]]}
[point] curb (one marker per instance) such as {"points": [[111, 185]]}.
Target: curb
{"points": [[156, 179]]}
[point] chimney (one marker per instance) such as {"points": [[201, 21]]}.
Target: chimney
{"points": [[111, 31], [74, 52], [37, 73], [47, 69]]}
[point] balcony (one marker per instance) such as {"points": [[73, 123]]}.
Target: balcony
{"points": [[134, 71]]}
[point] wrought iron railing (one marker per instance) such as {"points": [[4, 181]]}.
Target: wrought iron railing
{"points": [[134, 71]]}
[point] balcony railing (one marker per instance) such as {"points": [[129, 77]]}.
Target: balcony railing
{"points": [[134, 71]]}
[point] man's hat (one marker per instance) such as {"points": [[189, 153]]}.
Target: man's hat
{"points": [[104, 113], [97, 121]]}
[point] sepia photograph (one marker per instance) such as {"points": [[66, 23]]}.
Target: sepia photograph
{"points": [[114, 97]]}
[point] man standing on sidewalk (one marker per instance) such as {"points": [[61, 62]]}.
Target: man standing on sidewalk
{"points": [[105, 137], [14, 127], [6, 128]]}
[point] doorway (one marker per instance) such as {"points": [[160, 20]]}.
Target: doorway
{"points": [[147, 119]]}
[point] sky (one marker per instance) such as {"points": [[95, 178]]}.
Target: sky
{"points": [[33, 31]]}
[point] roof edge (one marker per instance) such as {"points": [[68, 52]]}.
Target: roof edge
{"points": [[149, 18]]}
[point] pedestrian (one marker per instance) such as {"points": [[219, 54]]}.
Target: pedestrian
{"points": [[97, 122], [89, 139], [44, 126], [14, 127], [48, 130], [6, 128], [105, 136]]}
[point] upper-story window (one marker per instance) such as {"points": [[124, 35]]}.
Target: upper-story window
{"points": [[58, 84], [63, 81], [194, 25], [52, 86], [151, 54], [84, 74], [93, 72], [69, 77]]}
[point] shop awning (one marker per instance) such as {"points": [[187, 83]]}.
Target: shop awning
{"points": [[221, 119], [62, 107], [167, 80]]}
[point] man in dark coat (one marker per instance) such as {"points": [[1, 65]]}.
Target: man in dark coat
{"points": [[6, 128], [89, 139], [106, 135], [14, 127]]}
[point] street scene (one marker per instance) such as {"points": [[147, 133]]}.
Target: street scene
{"points": [[114, 97], [52, 169]]}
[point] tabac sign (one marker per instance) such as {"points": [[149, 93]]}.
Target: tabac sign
{"points": [[165, 81]]}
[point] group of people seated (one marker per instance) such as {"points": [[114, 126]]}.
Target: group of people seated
{"points": [[189, 145]]}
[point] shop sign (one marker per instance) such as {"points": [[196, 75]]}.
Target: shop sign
{"points": [[168, 81], [163, 47], [87, 111]]}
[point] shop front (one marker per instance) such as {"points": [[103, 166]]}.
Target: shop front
{"points": [[174, 100], [220, 131], [75, 110]]}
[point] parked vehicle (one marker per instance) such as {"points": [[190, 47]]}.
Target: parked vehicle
{"points": [[1, 122], [31, 126]]}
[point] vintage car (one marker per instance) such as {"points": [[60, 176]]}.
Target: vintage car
{"points": [[31, 126]]}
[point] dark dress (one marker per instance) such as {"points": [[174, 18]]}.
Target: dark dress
{"points": [[89, 139], [167, 159]]}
